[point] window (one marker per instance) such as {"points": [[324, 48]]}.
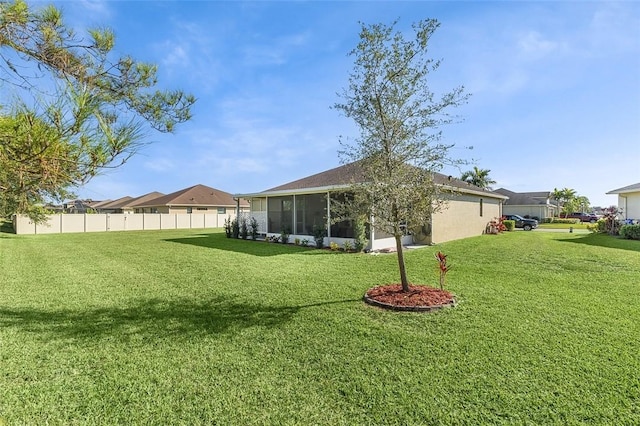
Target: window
{"points": [[222, 210], [202, 208], [189, 210]]}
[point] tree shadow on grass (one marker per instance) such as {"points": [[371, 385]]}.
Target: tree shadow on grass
{"points": [[152, 318], [255, 248], [604, 240]]}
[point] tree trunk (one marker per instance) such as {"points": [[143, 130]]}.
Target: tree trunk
{"points": [[401, 267]]}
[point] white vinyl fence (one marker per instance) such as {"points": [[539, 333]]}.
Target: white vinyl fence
{"points": [[64, 223]]}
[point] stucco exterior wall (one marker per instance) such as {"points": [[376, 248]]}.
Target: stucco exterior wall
{"points": [[462, 218], [630, 205]]}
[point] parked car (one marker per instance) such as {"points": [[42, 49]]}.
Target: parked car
{"points": [[521, 222], [583, 217]]}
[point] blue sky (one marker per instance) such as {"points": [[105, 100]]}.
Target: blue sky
{"points": [[555, 89]]}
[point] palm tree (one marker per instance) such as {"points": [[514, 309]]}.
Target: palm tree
{"points": [[564, 195], [478, 177]]}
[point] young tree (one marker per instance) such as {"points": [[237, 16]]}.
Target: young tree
{"points": [[399, 145], [68, 109], [478, 177]]}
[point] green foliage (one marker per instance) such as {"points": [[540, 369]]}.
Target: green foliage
{"points": [[347, 246], [244, 229], [78, 108], [254, 228], [319, 232], [284, 236], [631, 232], [296, 241], [228, 227], [360, 233], [509, 225], [478, 177], [235, 228], [304, 242], [334, 246]]}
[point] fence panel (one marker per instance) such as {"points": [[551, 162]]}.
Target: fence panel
{"points": [[67, 223]]}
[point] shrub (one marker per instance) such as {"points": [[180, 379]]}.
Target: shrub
{"points": [[598, 227], [235, 228], [244, 229], [334, 246], [630, 232], [273, 239], [228, 228], [348, 246], [284, 236], [304, 242], [565, 221], [296, 241], [360, 231], [319, 232], [509, 225], [254, 228], [612, 223]]}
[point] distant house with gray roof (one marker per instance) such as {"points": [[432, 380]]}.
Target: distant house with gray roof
{"points": [[537, 205]]}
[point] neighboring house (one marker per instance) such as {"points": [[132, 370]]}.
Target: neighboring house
{"points": [[115, 206], [628, 200], [78, 206], [535, 205], [195, 199], [131, 205], [300, 206]]}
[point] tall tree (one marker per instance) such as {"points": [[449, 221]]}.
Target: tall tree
{"points": [[399, 117], [68, 109], [478, 177]]}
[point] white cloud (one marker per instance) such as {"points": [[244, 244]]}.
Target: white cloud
{"points": [[159, 164], [534, 46]]}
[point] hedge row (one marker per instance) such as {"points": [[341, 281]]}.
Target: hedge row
{"points": [[631, 232]]}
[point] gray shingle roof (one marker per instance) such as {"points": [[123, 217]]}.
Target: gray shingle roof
{"points": [[630, 188], [343, 176]]}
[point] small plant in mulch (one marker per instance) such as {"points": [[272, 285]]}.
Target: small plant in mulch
{"points": [[444, 268]]}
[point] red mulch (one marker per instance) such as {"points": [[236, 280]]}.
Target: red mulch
{"points": [[417, 296]]}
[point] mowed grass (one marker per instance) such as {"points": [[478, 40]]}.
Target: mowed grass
{"points": [[188, 327]]}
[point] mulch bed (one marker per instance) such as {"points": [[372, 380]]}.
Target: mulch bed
{"points": [[419, 298]]}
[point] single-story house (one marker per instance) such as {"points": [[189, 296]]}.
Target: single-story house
{"points": [[303, 204], [195, 199], [115, 206], [628, 200], [131, 205], [536, 205]]}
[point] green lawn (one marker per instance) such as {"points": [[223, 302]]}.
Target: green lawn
{"points": [[188, 327]]}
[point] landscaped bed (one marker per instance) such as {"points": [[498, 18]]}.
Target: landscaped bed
{"points": [[189, 327]]}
